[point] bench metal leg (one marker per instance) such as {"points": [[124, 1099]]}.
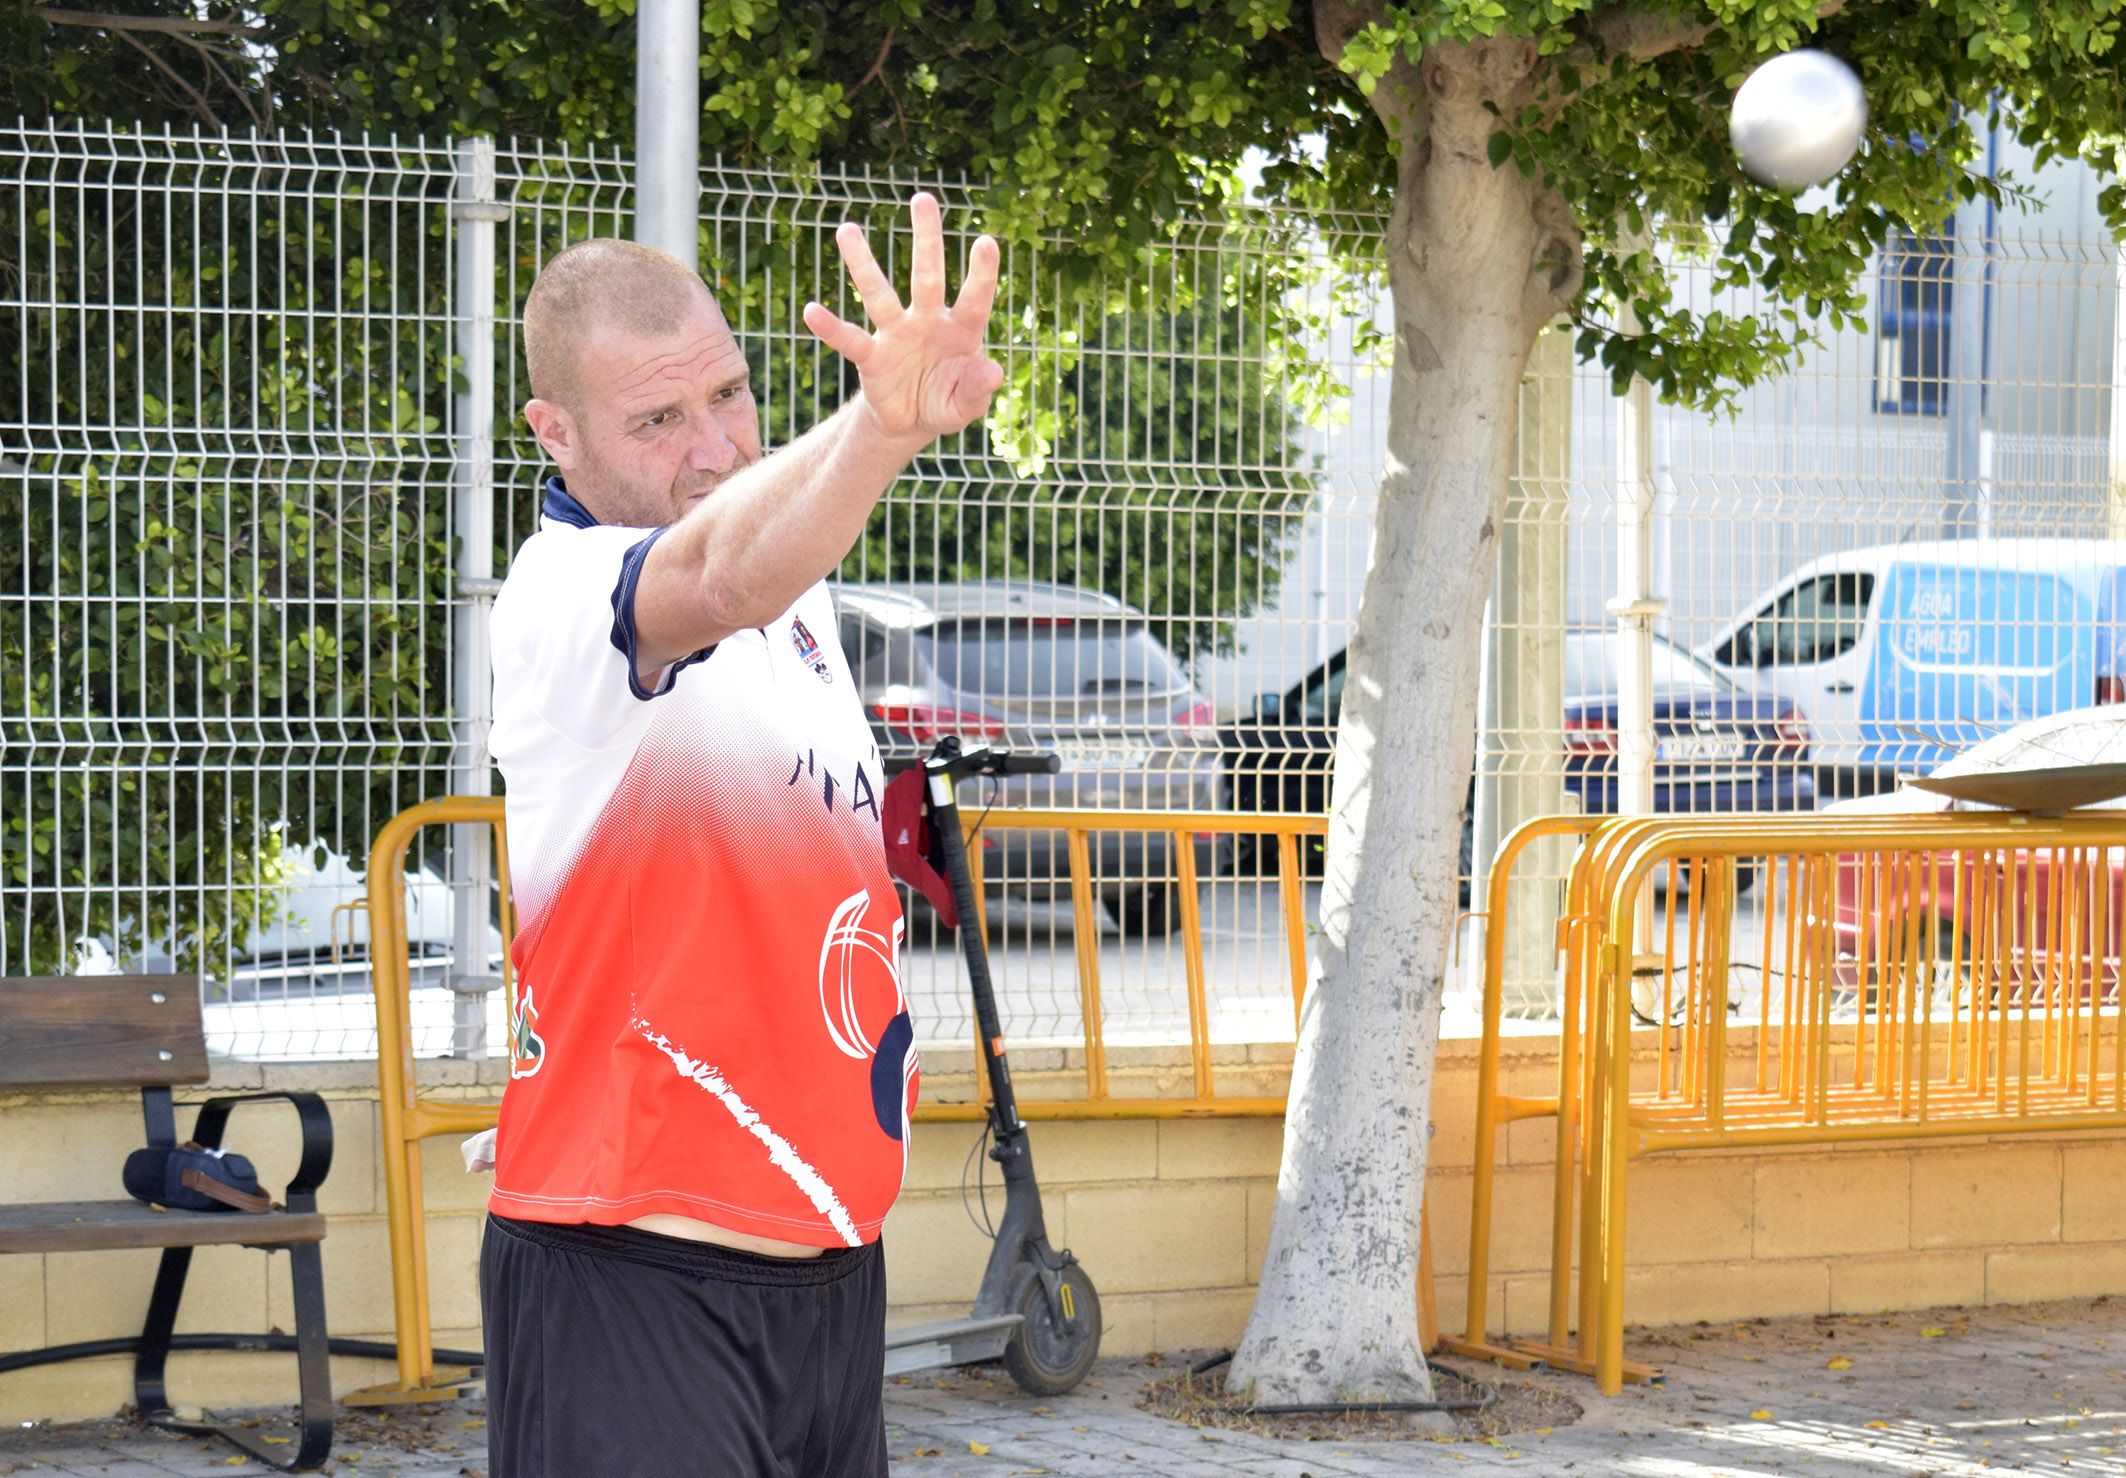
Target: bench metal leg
{"points": [[149, 1393], [306, 1269], [313, 1365]]}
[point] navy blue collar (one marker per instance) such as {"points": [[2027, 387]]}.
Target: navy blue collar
{"points": [[561, 507]]}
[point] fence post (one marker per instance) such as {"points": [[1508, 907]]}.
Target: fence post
{"points": [[1532, 619], [1636, 607], [668, 126], [2115, 508], [1967, 477], [474, 212]]}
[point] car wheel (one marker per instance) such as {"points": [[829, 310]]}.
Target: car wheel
{"points": [[1258, 857], [1147, 912], [1956, 971], [1746, 871]]}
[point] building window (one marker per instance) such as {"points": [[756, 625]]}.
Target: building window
{"points": [[1912, 321]]}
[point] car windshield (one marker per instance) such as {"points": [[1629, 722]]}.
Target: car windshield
{"points": [[1043, 657], [1591, 668]]}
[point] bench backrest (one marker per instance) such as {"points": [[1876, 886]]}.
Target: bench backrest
{"points": [[134, 1031]]}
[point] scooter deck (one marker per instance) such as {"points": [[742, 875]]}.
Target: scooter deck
{"points": [[950, 1342]]}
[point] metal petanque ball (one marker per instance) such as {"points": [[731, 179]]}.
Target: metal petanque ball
{"points": [[1797, 119]]}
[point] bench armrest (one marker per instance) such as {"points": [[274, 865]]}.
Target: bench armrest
{"points": [[301, 1194]]}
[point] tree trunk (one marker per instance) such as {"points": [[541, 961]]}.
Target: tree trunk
{"points": [[1477, 263]]}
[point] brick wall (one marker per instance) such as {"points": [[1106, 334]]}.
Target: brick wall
{"points": [[1724, 1234], [1169, 1216]]}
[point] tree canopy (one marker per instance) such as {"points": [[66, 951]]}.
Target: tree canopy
{"points": [[1095, 123]]}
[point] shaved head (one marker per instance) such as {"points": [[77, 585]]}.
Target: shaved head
{"points": [[601, 286], [639, 392]]}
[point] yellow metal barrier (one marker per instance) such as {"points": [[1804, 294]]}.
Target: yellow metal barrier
{"points": [[1976, 955], [1078, 827], [1494, 1108], [1940, 975], [408, 1118], [1703, 991]]}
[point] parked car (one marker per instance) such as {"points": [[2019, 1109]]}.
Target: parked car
{"points": [[317, 941], [2006, 898], [1043, 667], [1717, 747], [1902, 655]]}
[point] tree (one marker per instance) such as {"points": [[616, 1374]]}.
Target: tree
{"points": [[1531, 146], [1523, 151]]}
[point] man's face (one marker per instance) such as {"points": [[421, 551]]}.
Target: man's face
{"points": [[660, 421]]}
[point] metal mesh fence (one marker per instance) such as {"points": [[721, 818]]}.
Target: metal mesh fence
{"points": [[224, 448], [238, 432]]}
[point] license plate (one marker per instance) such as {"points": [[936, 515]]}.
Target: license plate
{"points": [[1697, 747], [1098, 756]]}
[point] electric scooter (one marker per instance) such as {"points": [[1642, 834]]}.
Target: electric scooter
{"points": [[1036, 1308]]}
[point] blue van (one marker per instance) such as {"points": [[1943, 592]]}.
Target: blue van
{"points": [[1904, 655]]}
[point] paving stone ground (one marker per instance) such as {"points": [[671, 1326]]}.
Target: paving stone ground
{"points": [[2035, 1389]]}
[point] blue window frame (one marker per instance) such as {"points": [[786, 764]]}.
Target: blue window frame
{"points": [[1913, 296]]}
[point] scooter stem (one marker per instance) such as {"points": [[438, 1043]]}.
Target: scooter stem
{"points": [[1022, 1237], [945, 815]]}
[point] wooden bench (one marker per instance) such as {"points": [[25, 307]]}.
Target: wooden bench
{"points": [[145, 1032]]}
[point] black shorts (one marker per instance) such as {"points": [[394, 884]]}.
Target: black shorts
{"points": [[618, 1353]]}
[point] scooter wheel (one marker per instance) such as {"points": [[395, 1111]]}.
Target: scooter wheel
{"points": [[1047, 1356]]}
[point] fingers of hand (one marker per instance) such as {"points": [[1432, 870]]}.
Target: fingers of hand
{"points": [[880, 301], [972, 388], [844, 338], [926, 278], [987, 379], [979, 290]]}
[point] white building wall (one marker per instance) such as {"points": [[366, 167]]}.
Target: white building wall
{"points": [[1806, 465]]}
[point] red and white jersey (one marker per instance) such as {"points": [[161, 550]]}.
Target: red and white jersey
{"points": [[710, 1021]]}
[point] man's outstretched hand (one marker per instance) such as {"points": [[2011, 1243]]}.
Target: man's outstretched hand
{"points": [[923, 367]]}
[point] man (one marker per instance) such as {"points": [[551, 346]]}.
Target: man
{"points": [[712, 1065]]}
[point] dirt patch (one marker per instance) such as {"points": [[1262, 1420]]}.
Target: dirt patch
{"points": [[1507, 1406]]}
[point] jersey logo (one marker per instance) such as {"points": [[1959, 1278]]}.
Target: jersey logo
{"points": [[527, 1050], [860, 795], [866, 1014], [808, 649]]}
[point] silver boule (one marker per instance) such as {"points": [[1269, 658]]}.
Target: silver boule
{"points": [[1797, 119]]}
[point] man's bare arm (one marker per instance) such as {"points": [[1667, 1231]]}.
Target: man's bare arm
{"points": [[745, 553]]}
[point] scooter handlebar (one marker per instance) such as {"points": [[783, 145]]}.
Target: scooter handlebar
{"points": [[1028, 764], [952, 758]]}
